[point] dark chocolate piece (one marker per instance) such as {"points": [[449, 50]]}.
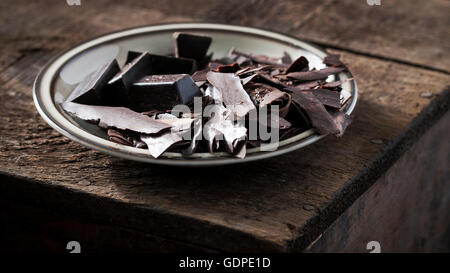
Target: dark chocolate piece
{"points": [[234, 96], [220, 125], [162, 65], [325, 96], [301, 64], [249, 70], [117, 117], [150, 64], [162, 92], [191, 46], [91, 90], [312, 75], [123, 80], [286, 59], [331, 85]]}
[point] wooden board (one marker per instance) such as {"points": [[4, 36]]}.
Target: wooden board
{"points": [[407, 209], [259, 206]]}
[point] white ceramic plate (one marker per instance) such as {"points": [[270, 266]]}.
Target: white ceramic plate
{"points": [[58, 78]]}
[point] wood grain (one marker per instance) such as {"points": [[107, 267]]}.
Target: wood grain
{"points": [[407, 209], [412, 31], [258, 206]]}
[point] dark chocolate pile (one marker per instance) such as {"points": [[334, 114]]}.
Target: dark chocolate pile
{"points": [[135, 103]]}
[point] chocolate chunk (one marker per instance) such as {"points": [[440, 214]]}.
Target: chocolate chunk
{"points": [[264, 78], [162, 65], [234, 96], [117, 117], [304, 86], [162, 92], [91, 90], [301, 64], [259, 58], [191, 46], [331, 85], [312, 75], [131, 55]]}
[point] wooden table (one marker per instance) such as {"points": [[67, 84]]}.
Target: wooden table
{"points": [[335, 192]]}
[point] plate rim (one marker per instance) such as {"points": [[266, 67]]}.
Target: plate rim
{"points": [[114, 149]]}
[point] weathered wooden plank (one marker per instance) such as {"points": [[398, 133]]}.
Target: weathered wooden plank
{"points": [[412, 31], [407, 209]]}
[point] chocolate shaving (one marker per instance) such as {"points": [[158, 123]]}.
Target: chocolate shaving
{"points": [[197, 136], [219, 125], [91, 90], [146, 89], [325, 96], [191, 46], [333, 60]]}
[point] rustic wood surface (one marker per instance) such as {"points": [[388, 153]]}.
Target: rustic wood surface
{"points": [[257, 206]]}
